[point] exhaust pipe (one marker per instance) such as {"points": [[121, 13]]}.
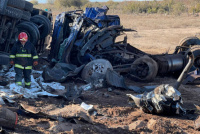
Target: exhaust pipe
{"points": [[185, 70]]}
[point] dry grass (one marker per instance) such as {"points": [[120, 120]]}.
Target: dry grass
{"points": [[159, 33]]}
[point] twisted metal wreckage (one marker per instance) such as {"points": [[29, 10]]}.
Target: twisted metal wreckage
{"points": [[79, 38], [86, 43]]}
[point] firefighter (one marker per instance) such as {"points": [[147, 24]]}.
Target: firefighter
{"points": [[23, 55]]}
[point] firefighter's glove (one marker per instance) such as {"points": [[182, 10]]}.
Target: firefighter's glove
{"points": [[12, 62], [35, 63]]}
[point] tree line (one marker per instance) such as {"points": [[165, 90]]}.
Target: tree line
{"points": [[176, 7]]}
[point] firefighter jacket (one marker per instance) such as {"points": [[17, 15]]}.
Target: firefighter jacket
{"points": [[23, 56]]}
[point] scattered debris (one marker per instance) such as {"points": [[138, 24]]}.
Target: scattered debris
{"points": [[86, 87], [164, 99], [60, 72], [38, 88], [73, 92], [86, 107], [192, 76], [110, 89], [114, 79]]}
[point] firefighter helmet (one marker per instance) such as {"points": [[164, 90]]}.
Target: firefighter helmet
{"points": [[23, 37]]}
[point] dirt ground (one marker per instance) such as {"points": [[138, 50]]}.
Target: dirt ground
{"points": [[156, 34]]}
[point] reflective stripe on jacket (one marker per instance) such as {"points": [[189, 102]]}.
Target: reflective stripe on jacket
{"points": [[23, 56]]}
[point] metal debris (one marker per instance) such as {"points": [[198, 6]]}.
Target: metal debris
{"points": [[60, 72], [192, 76], [86, 87], [164, 99], [38, 88]]}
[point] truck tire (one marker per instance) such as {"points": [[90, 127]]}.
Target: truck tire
{"points": [[45, 24], [28, 6], [3, 4], [29, 30], [26, 15], [146, 69], [4, 59], [189, 41], [13, 12], [34, 26], [20, 4], [35, 12], [195, 49]]}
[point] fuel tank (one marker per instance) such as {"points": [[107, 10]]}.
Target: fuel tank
{"points": [[170, 63]]}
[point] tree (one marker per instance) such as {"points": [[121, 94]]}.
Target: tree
{"points": [[69, 3]]}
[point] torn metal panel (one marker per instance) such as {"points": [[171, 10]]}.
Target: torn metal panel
{"points": [[60, 72], [192, 76], [90, 44], [114, 79], [163, 100]]}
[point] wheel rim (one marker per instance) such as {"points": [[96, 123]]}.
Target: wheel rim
{"points": [[96, 68]]}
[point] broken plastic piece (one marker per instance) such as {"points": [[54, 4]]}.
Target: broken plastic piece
{"points": [[86, 87], [86, 106]]}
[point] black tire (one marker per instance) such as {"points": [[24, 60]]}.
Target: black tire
{"points": [[28, 6], [89, 69], [4, 59], [35, 12], [34, 26], [44, 24], [13, 12], [3, 4], [26, 15], [20, 4], [189, 41], [30, 30], [150, 65], [196, 52]]}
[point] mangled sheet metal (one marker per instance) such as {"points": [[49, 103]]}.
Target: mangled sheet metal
{"points": [[192, 76], [60, 72], [164, 99], [12, 91], [116, 80]]}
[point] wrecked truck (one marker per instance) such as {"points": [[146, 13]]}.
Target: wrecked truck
{"points": [[80, 37], [19, 16]]}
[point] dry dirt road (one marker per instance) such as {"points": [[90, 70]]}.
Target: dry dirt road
{"points": [[156, 34]]}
